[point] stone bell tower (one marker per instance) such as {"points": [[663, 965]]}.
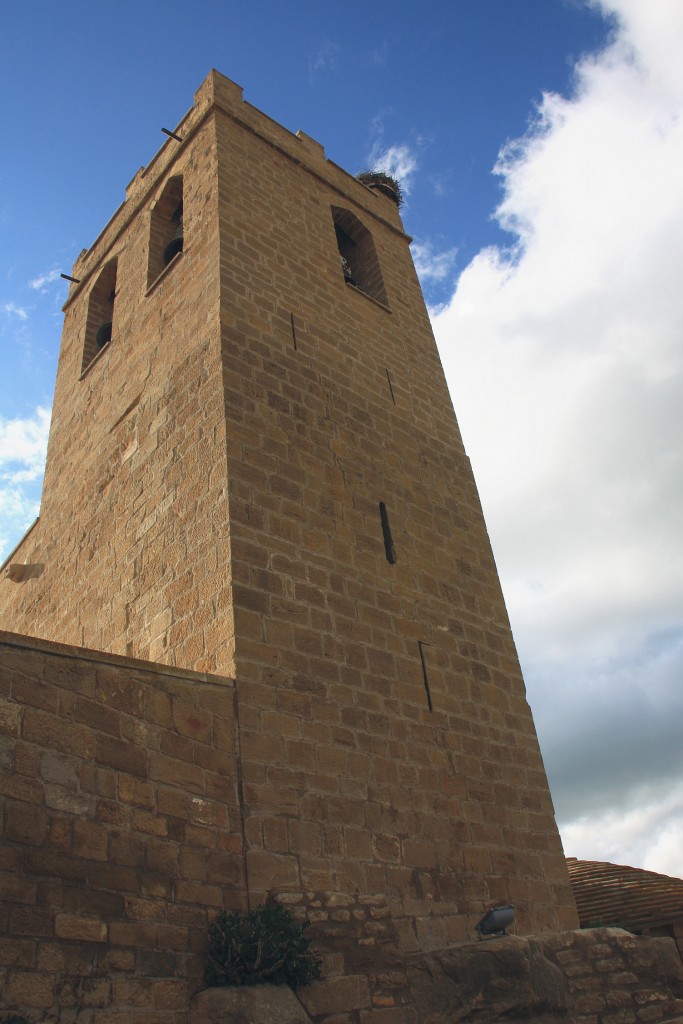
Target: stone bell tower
{"points": [[255, 471]]}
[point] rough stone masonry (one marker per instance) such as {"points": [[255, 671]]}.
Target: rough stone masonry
{"points": [[257, 504]]}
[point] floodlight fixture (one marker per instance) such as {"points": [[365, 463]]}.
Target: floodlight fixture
{"points": [[495, 921]]}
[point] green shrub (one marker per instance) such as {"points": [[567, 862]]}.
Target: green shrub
{"points": [[261, 946]]}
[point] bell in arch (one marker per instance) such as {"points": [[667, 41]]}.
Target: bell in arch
{"points": [[176, 244], [103, 336]]}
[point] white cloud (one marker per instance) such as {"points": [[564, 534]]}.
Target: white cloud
{"points": [[431, 265], [325, 58], [400, 161], [16, 506], [23, 446], [380, 54], [38, 283], [13, 310], [647, 835], [566, 360]]}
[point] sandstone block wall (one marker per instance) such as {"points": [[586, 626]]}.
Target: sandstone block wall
{"points": [[133, 533], [601, 977], [617, 978], [121, 832], [122, 835], [388, 748], [212, 501], [597, 976]]}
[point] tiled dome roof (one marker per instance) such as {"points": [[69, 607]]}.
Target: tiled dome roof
{"points": [[613, 894]]}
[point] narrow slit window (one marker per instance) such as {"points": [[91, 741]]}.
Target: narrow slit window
{"points": [[391, 387], [99, 326], [425, 678], [389, 549]]}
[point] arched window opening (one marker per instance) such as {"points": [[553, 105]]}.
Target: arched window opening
{"points": [[166, 229], [358, 257], [99, 326]]}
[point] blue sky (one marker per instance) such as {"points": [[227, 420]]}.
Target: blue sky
{"points": [[540, 144]]}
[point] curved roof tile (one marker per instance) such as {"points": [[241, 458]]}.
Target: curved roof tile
{"points": [[614, 894]]}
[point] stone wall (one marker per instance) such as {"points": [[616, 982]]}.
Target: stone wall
{"points": [[388, 747], [121, 832], [122, 835], [122, 807], [597, 976], [605, 976], [618, 978], [133, 536], [212, 502]]}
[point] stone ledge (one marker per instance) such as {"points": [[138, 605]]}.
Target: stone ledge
{"points": [[257, 1004], [512, 979]]}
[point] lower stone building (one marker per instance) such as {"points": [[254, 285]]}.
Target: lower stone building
{"points": [[123, 835]]}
